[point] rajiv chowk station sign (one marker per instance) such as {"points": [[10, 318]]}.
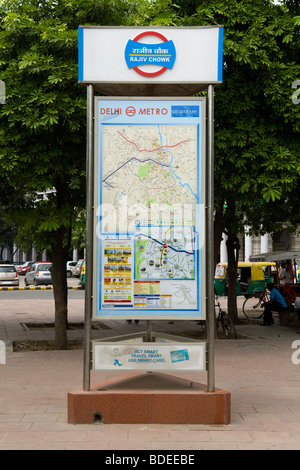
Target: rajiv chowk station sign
{"points": [[180, 60], [149, 236]]}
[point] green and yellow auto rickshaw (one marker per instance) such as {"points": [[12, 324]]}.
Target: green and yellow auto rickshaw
{"points": [[251, 277], [82, 275]]}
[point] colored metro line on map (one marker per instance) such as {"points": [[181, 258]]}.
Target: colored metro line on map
{"points": [[163, 252], [148, 167]]}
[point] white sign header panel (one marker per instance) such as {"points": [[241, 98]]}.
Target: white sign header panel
{"points": [[150, 55]]}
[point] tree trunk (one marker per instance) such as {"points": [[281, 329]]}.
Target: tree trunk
{"points": [[233, 248], [60, 290]]}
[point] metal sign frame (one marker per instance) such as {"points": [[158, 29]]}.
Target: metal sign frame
{"points": [[210, 307], [152, 88]]}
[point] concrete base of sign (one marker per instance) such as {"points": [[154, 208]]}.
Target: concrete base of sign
{"points": [[145, 398]]}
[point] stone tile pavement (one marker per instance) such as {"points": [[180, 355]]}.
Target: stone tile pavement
{"points": [[261, 370]]}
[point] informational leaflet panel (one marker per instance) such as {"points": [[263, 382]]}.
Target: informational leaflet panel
{"points": [[149, 356], [149, 200]]}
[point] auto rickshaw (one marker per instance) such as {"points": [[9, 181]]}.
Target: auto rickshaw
{"points": [[252, 277], [291, 290], [82, 275]]}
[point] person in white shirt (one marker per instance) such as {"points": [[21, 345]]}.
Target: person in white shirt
{"points": [[285, 275]]}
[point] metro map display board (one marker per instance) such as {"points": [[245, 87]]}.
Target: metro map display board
{"points": [[149, 239]]}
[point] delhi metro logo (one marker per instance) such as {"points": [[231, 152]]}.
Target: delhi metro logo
{"points": [[130, 111], [156, 54]]}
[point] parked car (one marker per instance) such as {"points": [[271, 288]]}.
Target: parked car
{"points": [[39, 273], [23, 268], [71, 268], [78, 267], [8, 275], [18, 266]]}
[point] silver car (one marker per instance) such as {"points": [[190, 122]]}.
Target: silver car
{"points": [[71, 268], [8, 275], [39, 273]]}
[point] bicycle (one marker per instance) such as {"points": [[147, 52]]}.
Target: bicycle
{"points": [[253, 306], [224, 319]]}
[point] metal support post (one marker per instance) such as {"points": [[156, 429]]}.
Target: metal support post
{"points": [[149, 331], [210, 239], [89, 238]]}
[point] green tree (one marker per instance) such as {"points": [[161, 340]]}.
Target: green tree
{"points": [[42, 129], [256, 123], [7, 237], [42, 132]]}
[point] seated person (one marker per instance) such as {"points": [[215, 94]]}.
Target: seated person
{"points": [[276, 303], [245, 279], [244, 285]]}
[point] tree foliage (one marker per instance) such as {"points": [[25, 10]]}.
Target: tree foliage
{"points": [[257, 125], [257, 164], [42, 129]]}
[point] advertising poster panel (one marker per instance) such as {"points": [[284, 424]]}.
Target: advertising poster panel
{"points": [[149, 241]]}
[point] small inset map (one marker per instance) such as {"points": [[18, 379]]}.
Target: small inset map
{"points": [[165, 252]]}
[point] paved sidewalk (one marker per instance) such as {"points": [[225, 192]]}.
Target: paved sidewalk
{"points": [[257, 370]]}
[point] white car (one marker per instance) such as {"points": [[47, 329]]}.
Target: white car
{"points": [[71, 268], [8, 275]]}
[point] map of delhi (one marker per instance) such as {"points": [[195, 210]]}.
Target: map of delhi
{"points": [[147, 169]]}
